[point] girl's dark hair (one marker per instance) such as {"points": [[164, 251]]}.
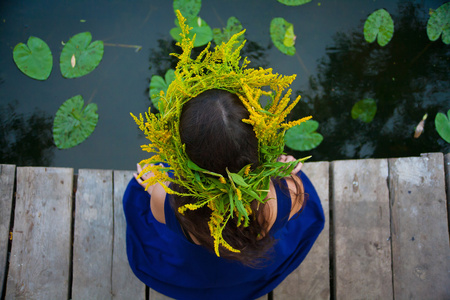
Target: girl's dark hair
{"points": [[211, 127]]}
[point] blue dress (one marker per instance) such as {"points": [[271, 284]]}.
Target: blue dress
{"points": [[162, 257]]}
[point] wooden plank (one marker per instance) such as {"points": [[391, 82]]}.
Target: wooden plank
{"points": [[7, 173], [420, 242], [311, 280], [154, 295], [360, 199], [447, 184], [40, 254], [125, 285], [93, 235]]}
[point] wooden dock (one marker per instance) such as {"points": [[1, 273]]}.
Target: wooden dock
{"points": [[62, 236]]}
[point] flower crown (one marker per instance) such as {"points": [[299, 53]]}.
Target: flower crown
{"points": [[231, 196]]}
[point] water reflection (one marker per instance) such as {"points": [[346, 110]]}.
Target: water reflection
{"points": [[407, 78], [25, 140]]}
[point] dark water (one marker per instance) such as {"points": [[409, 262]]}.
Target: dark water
{"points": [[335, 66]]}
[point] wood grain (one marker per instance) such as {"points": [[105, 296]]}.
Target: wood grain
{"points": [[420, 242], [362, 231], [311, 280], [125, 285], [7, 175], [40, 254], [93, 235]]}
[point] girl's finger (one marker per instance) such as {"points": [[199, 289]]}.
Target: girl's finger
{"points": [[297, 168]]}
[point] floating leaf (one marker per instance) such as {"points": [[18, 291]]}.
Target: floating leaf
{"points": [[188, 8], [380, 24], [203, 33], [289, 37], [73, 124], [364, 110], [442, 123], [439, 22], [303, 137], [233, 27], [34, 59], [281, 32], [294, 2], [158, 84], [87, 55]]}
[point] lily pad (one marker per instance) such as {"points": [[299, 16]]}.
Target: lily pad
{"points": [[203, 33], [79, 56], [73, 124], [379, 24], [34, 59], [233, 26], [439, 22], [364, 110], [188, 8], [442, 123], [282, 34], [303, 137], [158, 84], [294, 2]]}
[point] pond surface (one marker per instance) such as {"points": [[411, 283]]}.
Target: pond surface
{"points": [[335, 68]]}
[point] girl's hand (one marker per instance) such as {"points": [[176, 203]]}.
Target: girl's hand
{"points": [[145, 176], [289, 158]]}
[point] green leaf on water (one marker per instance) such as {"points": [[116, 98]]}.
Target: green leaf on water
{"points": [[73, 124], [303, 137], [203, 33], [188, 8], [34, 59], [289, 37], [158, 84], [442, 123], [379, 24], [233, 27], [79, 56], [439, 22], [282, 34], [294, 2], [364, 110]]}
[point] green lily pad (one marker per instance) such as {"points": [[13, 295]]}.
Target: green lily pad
{"points": [[303, 137], [233, 26], [34, 59], [73, 124], [364, 110], [380, 24], [442, 123], [188, 8], [294, 2], [79, 56], [282, 34], [158, 84], [203, 33], [439, 22]]}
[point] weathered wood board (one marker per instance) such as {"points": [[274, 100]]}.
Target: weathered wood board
{"points": [[420, 241], [360, 199], [93, 235], [311, 280], [125, 285], [7, 175], [447, 184], [40, 254]]}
